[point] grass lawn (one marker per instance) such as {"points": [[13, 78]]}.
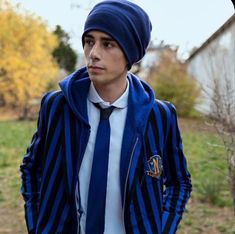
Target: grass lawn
{"points": [[209, 210], [14, 138]]}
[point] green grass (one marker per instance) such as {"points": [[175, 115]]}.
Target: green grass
{"points": [[14, 139], [207, 165]]}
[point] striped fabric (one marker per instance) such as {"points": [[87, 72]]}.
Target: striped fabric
{"points": [[50, 166], [155, 205], [44, 174]]}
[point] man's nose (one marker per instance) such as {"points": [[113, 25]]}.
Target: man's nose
{"points": [[95, 51]]}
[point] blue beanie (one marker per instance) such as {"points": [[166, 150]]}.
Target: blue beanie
{"points": [[126, 23]]}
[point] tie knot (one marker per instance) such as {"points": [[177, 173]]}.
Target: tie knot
{"points": [[104, 112]]}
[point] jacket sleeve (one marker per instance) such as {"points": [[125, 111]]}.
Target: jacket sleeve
{"points": [[31, 172], [176, 177]]}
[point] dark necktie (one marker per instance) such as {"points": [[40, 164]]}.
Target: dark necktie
{"points": [[97, 189]]}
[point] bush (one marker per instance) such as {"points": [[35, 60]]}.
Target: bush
{"points": [[171, 82], [210, 190]]}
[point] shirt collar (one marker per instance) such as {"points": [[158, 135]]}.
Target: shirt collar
{"points": [[121, 102]]}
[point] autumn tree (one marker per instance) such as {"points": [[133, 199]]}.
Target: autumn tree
{"points": [[64, 53], [170, 81], [26, 62]]}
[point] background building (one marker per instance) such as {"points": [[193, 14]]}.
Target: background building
{"points": [[213, 66]]}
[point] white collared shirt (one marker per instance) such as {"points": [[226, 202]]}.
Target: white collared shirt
{"points": [[114, 223]]}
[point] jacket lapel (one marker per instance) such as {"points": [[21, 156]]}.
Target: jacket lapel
{"points": [[136, 120], [130, 139]]}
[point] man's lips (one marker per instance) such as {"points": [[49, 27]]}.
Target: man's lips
{"points": [[95, 68]]}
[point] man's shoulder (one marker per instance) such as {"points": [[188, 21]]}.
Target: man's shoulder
{"points": [[164, 106], [52, 100], [52, 97]]}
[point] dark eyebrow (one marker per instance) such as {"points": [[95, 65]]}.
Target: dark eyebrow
{"points": [[105, 38], [88, 35]]}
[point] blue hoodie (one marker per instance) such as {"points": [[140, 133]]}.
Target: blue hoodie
{"points": [[51, 164]]}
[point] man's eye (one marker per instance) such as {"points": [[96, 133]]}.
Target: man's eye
{"points": [[108, 45], [88, 42]]}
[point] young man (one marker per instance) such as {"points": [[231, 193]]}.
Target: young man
{"points": [[106, 156]]}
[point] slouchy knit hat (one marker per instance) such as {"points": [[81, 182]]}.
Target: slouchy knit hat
{"points": [[127, 23]]}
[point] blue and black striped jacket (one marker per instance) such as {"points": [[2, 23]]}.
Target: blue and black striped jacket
{"points": [[51, 164]]}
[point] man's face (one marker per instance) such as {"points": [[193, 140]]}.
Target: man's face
{"points": [[105, 60]]}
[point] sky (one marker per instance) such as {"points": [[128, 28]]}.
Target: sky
{"points": [[184, 23]]}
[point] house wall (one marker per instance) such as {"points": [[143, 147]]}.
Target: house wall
{"points": [[214, 69]]}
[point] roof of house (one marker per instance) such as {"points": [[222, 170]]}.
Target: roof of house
{"points": [[216, 34]]}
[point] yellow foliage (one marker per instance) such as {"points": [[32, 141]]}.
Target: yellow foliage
{"points": [[26, 62], [170, 81]]}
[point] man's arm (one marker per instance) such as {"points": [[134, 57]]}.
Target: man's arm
{"points": [[176, 177], [31, 172]]}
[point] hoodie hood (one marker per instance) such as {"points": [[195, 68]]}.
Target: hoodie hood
{"points": [[140, 102], [75, 89]]}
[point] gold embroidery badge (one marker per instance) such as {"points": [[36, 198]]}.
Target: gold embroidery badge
{"points": [[155, 166]]}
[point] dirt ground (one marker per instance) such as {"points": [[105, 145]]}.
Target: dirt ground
{"points": [[203, 218], [200, 125], [12, 219], [7, 114], [199, 219]]}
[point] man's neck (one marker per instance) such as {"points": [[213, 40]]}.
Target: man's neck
{"points": [[111, 92]]}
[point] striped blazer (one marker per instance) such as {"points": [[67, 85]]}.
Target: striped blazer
{"points": [[151, 204]]}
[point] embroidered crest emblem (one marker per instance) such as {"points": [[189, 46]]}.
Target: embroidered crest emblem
{"points": [[155, 166]]}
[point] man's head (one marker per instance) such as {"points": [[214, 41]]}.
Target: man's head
{"points": [[126, 23]]}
